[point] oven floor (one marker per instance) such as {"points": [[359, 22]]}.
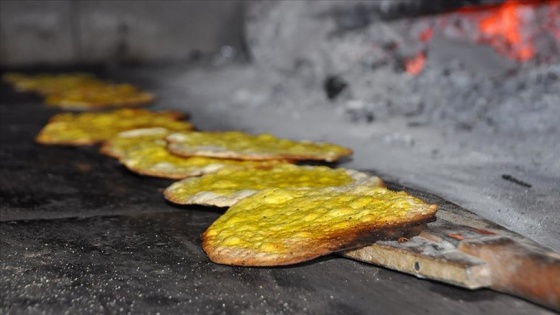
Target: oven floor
{"points": [[81, 234]]}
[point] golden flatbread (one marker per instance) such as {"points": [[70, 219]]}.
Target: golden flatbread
{"points": [[91, 128], [118, 145], [239, 145], [79, 91], [226, 187], [49, 83], [287, 226], [99, 96], [144, 151]]}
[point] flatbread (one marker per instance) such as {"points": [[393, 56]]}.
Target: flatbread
{"points": [[118, 145], [239, 145], [79, 91], [143, 151], [288, 226], [95, 96], [92, 128], [226, 187], [49, 83]]}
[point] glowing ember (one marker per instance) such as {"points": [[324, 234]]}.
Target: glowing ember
{"points": [[553, 24], [416, 64], [503, 29], [511, 28], [426, 35]]}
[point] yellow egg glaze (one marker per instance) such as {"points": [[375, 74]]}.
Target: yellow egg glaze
{"points": [[118, 145], [275, 225], [229, 182], [99, 95], [152, 158], [246, 146], [90, 128]]}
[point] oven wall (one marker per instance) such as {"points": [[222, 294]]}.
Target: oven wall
{"points": [[65, 32]]}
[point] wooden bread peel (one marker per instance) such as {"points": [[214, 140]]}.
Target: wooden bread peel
{"points": [[462, 249]]}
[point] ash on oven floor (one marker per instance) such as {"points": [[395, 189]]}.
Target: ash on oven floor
{"points": [[150, 263]]}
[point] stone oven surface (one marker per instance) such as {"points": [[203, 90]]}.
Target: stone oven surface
{"points": [[81, 234], [428, 108]]}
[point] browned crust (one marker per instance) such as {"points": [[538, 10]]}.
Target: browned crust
{"points": [[175, 114], [84, 142], [147, 172], [209, 198], [356, 237], [107, 149]]}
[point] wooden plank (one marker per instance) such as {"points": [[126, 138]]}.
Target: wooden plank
{"points": [[473, 253], [427, 259]]}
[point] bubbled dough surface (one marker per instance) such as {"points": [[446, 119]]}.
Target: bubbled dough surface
{"points": [[226, 187], [94, 127], [286, 226]]}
